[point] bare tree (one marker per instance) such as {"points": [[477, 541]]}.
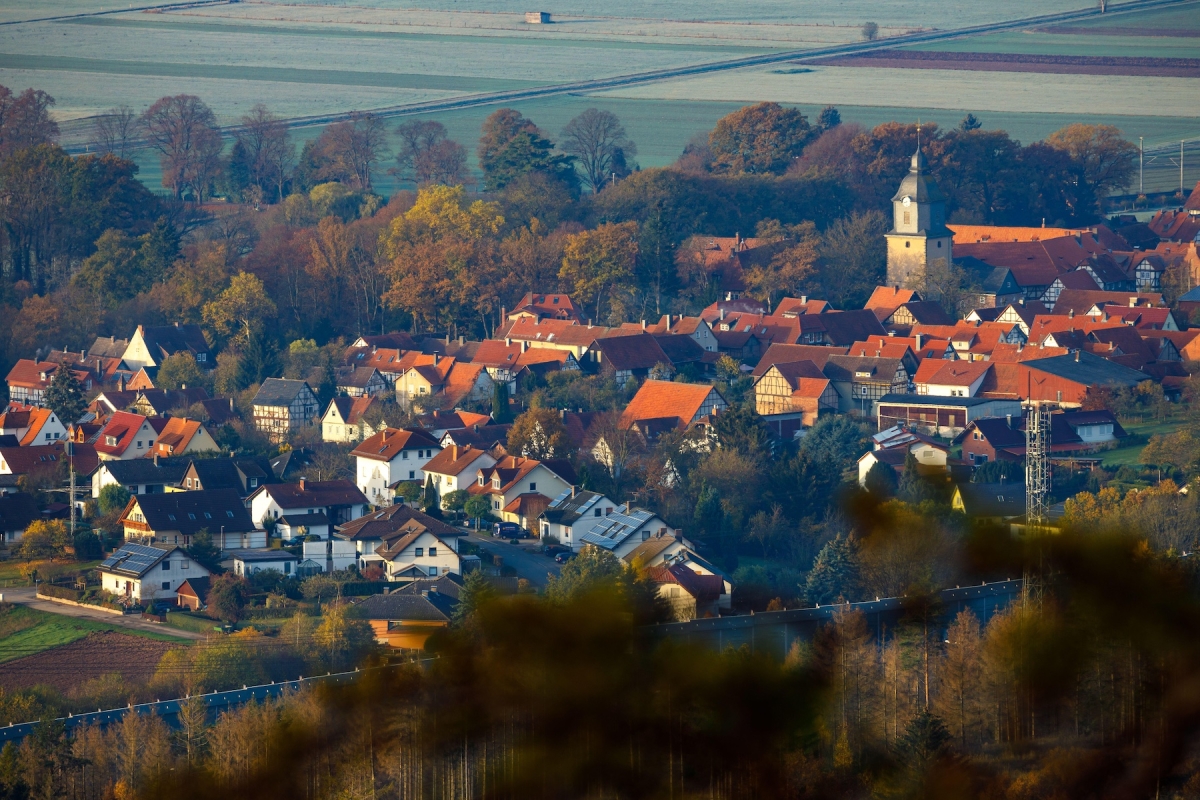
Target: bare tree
{"points": [[25, 120], [354, 148], [115, 130], [269, 149], [427, 156], [600, 146], [870, 31], [183, 129]]}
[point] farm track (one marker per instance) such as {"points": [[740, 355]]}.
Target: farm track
{"points": [[1021, 62], [82, 14], [654, 76]]}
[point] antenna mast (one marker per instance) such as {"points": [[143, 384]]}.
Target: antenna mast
{"points": [[1037, 464]]}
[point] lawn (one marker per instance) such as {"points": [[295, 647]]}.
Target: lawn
{"points": [[25, 631], [1130, 454], [10, 570]]}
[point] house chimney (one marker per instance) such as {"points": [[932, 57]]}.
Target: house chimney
{"points": [[1076, 356], [643, 326], [156, 459], [454, 452], [524, 345], [1009, 418], [121, 387], [722, 313], [803, 299], [1132, 302], [183, 386], [303, 483], [562, 413], [1071, 314], [231, 404], [508, 341]]}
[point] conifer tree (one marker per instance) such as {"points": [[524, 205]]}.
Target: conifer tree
{"points": [[835, 573], [64, 396]]}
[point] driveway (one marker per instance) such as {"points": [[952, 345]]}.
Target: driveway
{"points": [[25, 596], [529, 564]]}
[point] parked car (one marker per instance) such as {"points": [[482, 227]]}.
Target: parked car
{"points": [[508, 530], [554, 549], [563, 558]]}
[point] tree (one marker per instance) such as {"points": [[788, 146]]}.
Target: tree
{"points": [[242, 306], [87, 546], [600, 262], [45, 538], [836, 572], [741, 429], [788, 270], [115, 131], [539, 434], [960, 676], [192, 720], [511, 146], [427, 156], [476, 592], [269, 150], [258, 359], [501, 411], [1104, 160], [913, 487], [431, 503], [870, 31], [456, 500], [179, 370], [352, 149], [829, 118], [853, 258], [203, 551], [227, 597], [760, 139], [183, 129], [969, 123], [25, 120], [64, 396], [593, 569], [838, 438], [924, 740], [477, 507], [881, 480], [342, 638], [597, 141], [113, 497]]}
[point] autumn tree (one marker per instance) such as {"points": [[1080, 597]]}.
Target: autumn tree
{"points": [[269, 150], [960, 690], [179, 370], [790, 269], [600, 146], [25, 120], [539, 434], [183, 129], [600, 262], [1104, 160], [352, 149], [759, 139], [227, 597], [123, 267], [116, 130], [45, 538], [243, 306], [427, 156], [511, 146]]}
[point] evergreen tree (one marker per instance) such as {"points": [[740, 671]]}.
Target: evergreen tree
{"points": [[203, 551], [740, 428], [431, 504], [835, 573], [829, 117], [913, 487], [87, 546], [157, 251], [970, 123], [709, 517], [500, 408], [258, 361], [924, 740], [881, 480], [64, 396], [476, 592]]}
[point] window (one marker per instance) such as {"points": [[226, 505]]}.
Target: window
{"points": [[185, 564], [420, 552], [229, 514], [47, 437], [191, 515], [481, 479], [189, 483], [433, 571], [412, 474], [433, 552], [907, 218], [171, 517], [139, 447], [166, 586], [166, 565], [202, 356], [596, 513], [939, 244], [403, 454], [533, 487], [287, 568], [253, 482], [908, 244], [207, 515]]}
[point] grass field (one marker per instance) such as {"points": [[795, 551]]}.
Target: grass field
{"points": [[25, 631], [10, 570], [1054, 44], [1143, 430]]}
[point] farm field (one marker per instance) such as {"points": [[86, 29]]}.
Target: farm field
{"points": [[90, 656], [1143, 430], [26, 632], [1081, 44]]}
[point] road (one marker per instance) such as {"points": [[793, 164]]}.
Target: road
{"points": [[25, 596], [529, 564]]}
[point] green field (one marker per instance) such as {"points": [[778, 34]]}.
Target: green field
{"points": [[24, 631], [1143, 430], [10, 570]]}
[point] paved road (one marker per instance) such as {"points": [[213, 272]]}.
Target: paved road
{"points": [[26, 597], [525, 559]]}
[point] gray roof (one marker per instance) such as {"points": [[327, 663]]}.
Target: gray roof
{"points": [[846, 368], [307, 520], [147, 471], [917, 184], [433, 607], [938, 400], [250, 556], [570, 506], [136, 559], [279, 392], [189, 512], [1088, 369], [610, 531], [993, 499]]}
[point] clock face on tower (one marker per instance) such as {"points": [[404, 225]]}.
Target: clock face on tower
{"points": [[906, 202]]}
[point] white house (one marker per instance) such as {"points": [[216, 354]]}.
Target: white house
{"points": [[175, 517], [343, 419], [369, 531], [930, 455], [456, 468], [572, 513], [140, 475], [144, 573], [339, 500], [248, 562], [389, 457], [623, 530], [519, 489], [414, 551]]}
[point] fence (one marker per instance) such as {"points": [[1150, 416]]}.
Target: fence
{"points": [[774, 632]]}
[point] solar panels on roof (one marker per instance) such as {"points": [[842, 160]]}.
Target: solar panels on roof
{"points": [[136, 558]]}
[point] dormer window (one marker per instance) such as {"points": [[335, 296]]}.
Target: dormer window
{"points": [[495, 481], [480, 479]]}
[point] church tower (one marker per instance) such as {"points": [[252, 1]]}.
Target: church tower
{"points": [[919, 235]]}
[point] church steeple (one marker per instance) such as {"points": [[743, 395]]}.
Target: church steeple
{"points": [[919, 235]]}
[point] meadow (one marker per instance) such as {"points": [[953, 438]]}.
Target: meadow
{"points": [[25, 631]]}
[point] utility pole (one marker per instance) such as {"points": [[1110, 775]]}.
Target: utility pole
{"points": [[1181, 167], [1141, 163], [70, 448]]}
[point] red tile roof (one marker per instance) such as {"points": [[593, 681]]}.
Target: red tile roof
{"points": [[665, 400], [387, 444]]}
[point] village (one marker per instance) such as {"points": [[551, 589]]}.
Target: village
{"points": [[431, 462]]}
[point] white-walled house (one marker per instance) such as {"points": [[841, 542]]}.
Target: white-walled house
{"points": [[339, 500], [624, 530], [369, 531], [572, 513], [456, 468], [515, 485], [144, 573], [173, 518], [414, 552], [140, 475], [248, 562], [389, 457]]}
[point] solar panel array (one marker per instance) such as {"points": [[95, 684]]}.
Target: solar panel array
{"points": [[133, 557]]}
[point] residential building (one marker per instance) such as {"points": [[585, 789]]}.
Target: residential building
{"points": [[937, 415], [520, 489], [992, 502], [17, 511], [392, 456], [368, 532], [140, 475], [950, 378], [861, 382], [159, 402], [243, 474], [406, 621], [664, 405], [623, 530], [458, 467], [182, 436], [344, 421], [248, 562], [414, 551], [175, 517], [571, 514], [690, 594], [32, 425], [1072, 434], [28, 381], [339, 500], [145, 573], [627, 358], [128, 436], [283, 406], [362, 382], [545, 306], [791, 396], [150, 346], [192, 594], [933, 458]]}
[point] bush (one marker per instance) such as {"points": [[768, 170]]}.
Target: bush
{"points": [[61, 592]]}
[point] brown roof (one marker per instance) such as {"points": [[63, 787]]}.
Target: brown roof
{"points": [[701, 587], [976, 234], [387, 444], [640, 351], [1080, 301], [449, 420], [314, 493], [386, 521], [557, 306], [782, 353], [124, 427], [950, 373], [563, 332], [453, 459], [176, 435]]}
